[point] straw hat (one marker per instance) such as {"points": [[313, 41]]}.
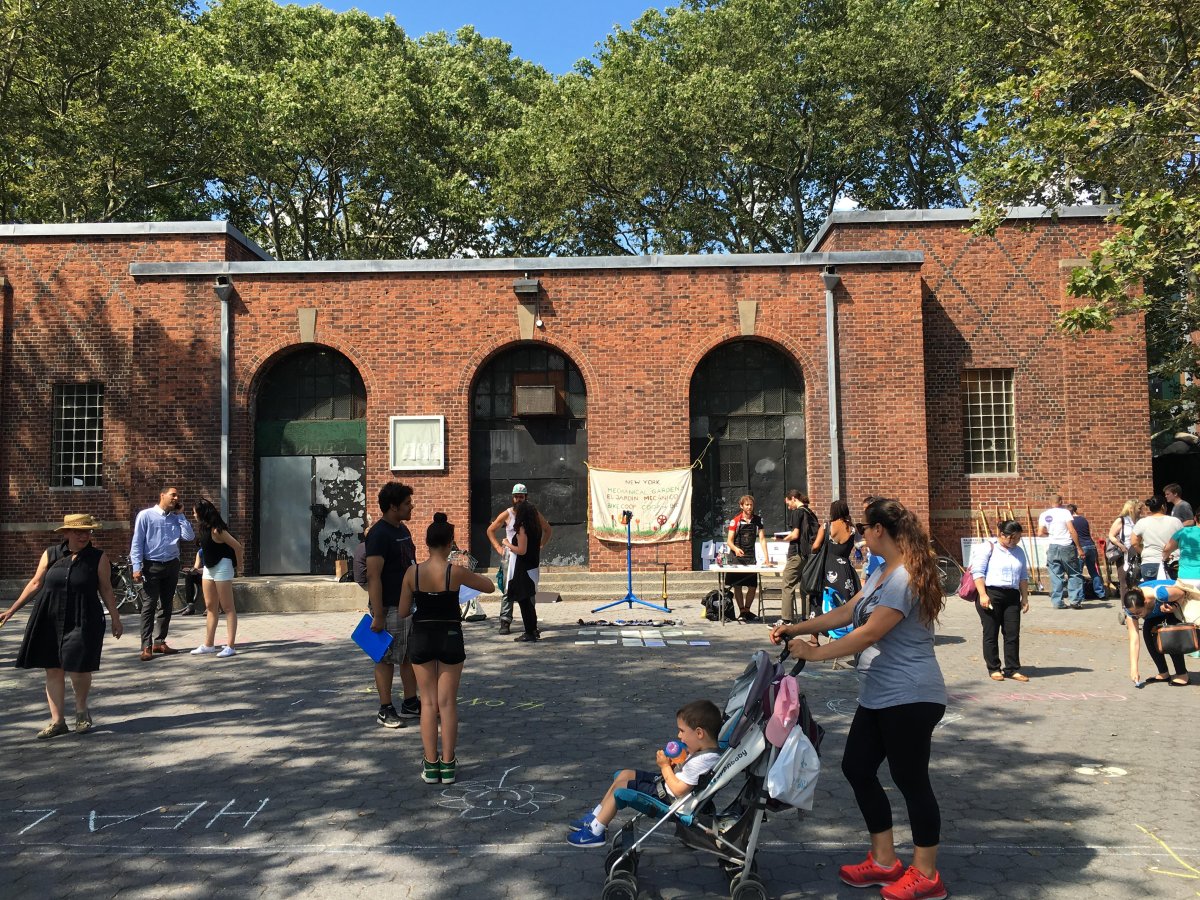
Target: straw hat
{"points": [[78, 522]]}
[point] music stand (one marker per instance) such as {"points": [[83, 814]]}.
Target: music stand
{"points": [[630, 597]]}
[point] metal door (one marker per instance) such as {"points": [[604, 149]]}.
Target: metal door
{"points": [[285, 515], [311, 512]]}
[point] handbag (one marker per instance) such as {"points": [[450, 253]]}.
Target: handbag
{"points": [[1112, 552], [966, 586], [812, 576], [1178, 639]]}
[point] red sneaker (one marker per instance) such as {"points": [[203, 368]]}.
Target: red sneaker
{"points": [[868, 873], [915, 886]]}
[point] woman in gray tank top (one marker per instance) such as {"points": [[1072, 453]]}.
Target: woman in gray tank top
{"points": [[901, 699]]}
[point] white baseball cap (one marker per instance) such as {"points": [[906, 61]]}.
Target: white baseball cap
{"points": [[520, 489]]}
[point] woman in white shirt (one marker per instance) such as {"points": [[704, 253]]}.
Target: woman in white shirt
{"points": [[1001, 574], [1119, 536], [1151, 534]]}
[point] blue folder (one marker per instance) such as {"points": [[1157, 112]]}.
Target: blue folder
{"points": [[373, 643]]}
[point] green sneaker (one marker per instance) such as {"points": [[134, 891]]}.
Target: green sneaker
{"points": [[431, 772], [448, 770]]}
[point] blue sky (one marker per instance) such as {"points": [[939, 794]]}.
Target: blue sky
{"points": [[552, 33]]}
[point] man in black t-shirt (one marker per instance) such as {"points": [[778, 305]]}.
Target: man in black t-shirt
{"points": [[390, 552], [802, 527]]}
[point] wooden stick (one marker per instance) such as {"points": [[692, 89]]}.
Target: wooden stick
{"points": [[1037, 563]]}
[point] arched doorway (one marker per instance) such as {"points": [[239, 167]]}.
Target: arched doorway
{"points": [[311, 444], [529, 425], [749, 397]]}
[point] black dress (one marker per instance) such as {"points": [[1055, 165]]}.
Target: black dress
{"points": [[66, 627], [839, 571]]}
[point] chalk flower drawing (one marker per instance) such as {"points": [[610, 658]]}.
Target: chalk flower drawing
{"points": [[482, 799]]}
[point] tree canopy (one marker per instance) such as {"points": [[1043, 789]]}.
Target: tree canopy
{"points": [[1099, 100]]}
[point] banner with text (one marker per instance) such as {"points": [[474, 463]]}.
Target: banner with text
{"points": [[661, 503]]}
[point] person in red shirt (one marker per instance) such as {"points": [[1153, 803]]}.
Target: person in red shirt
{"points": [[744, 530]]}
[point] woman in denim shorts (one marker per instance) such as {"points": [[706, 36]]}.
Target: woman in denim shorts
{"points": [[222, 556]]}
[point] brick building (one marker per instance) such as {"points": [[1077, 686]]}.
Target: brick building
{"points": [[952, 387]]}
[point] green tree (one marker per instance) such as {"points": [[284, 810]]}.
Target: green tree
{"points": [[737, 126], [1100, 100], [348, 139], [98, 120]]}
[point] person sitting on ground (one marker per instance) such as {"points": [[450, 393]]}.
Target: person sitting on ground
{"points": [[699, 724], [1156, 603]]}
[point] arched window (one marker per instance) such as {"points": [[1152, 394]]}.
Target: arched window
{"points": [[313, 383]]}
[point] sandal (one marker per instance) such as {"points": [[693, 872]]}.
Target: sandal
{"points": [[997, 676], [1017, 676], [1174, 683]]}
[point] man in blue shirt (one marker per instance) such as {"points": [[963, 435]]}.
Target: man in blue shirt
{"points": [[154, 558]]}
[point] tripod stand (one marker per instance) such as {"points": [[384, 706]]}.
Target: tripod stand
{"points": [[630, 597]]}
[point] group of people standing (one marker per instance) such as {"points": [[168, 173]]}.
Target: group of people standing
{"points": [[72, 588], [806, 536], [1143, 550]]}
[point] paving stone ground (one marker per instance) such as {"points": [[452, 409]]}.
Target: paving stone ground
{"points": [[266, 776]]}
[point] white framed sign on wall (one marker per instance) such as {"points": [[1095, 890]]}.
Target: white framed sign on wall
{"points": [[417, 442]]}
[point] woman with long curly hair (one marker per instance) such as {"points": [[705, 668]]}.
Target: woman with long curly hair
{"points": [[901, 699]]}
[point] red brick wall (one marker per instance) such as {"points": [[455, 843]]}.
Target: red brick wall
{"points": [[637, 334], [990, 301], [76, 316]]}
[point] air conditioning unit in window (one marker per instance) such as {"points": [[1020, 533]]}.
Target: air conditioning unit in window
{"points": [[535, 400]]}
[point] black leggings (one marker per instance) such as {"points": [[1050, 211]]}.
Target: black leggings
{"points": [[901, 735], [1150, 636]]}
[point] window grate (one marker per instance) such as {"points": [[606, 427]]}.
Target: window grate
{"points": [[77, 446], [989, 416]]}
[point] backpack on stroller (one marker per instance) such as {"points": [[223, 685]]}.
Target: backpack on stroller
{"points": [[725, 812]]}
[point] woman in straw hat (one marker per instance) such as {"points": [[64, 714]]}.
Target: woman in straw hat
{"points": [[66, 628]]}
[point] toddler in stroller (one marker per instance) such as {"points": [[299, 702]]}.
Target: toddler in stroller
{"points": [[699, 723], [723, 813]]}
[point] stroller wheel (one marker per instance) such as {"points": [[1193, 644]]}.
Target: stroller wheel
{"points": [[747, 887], [629, 864], [622, 886]]}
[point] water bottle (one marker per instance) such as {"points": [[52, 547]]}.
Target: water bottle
{"points": [[674, 749]]}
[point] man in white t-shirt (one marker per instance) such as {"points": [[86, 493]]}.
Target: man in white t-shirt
{"points": [[1064, 556]]}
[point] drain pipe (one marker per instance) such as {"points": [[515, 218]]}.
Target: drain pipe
{"points": [[223, 288], [831, 280]]}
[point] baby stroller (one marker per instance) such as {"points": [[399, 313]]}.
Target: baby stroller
{"points": [[725, 826]]}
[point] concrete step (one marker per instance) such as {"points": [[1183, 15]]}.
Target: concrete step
{"points": [[320, 593], [316, 593]]}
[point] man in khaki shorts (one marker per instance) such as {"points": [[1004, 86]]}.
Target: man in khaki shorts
{"points": [[390, 552]]}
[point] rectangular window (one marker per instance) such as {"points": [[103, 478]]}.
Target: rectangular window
{"points": [[77, 454], [989, 432]]}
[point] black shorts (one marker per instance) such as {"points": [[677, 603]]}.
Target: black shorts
{"points": [[742, 579], [436, 642]]}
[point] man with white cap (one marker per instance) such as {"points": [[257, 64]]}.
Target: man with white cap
{"points": [[507, 520]]}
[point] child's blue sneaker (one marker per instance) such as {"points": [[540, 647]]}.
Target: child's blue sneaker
{"points": [[585, 838], [584, 821]]}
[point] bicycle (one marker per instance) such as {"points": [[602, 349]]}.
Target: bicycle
{"points": [[129, 593]]}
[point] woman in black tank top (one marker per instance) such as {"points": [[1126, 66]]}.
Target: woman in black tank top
{"points": [[430, 594], [221, 555]]}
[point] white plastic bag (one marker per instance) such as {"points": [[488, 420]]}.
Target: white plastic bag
{"points": [[793, 776]]}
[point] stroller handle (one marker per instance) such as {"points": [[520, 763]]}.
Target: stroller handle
{"points": [[800, 663]]}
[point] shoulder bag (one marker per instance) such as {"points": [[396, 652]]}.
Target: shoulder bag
{"points": [[966, 587], [1178, 639]]}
